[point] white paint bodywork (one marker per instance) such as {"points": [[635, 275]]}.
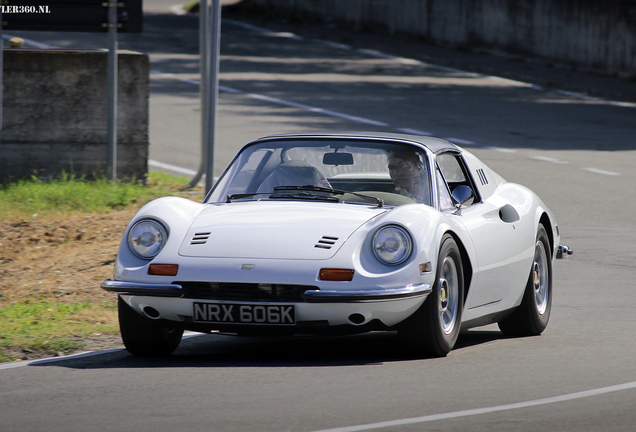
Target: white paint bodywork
{"points": [[273, 242]]}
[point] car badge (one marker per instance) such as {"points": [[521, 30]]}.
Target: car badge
{"points": [[247, 266]]}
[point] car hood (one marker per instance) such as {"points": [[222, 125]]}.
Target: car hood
{"points": [[274, 230]]}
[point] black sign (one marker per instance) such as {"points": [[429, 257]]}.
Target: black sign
{"points": [[70, 15]]}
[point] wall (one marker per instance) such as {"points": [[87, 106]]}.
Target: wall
{"points": [[55, 113], [597, 35]]}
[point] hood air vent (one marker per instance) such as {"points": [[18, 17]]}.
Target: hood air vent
{"points": [[200, 238], [326, 242]]}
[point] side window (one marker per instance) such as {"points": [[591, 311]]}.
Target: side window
{"points": [[451, 168], [454, 172], [445, 200]]}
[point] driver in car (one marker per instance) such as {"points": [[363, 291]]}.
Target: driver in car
{"points": [[408, 172]]}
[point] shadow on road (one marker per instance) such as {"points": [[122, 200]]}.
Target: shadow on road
{"points": [[209, 351]]}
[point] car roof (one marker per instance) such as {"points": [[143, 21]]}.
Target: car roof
{"points": [[435, 145]]}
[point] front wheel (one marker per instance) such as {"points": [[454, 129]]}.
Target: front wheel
{"points": [[533, 314], [144, 336], [433, 329]]}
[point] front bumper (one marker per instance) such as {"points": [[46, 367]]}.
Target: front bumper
{"points": [[310, 296], [351, 308], [563, 251]]}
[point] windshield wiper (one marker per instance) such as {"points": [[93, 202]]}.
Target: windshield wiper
{"points": [[229, 198], [312, 188], [304, 196], [272, 195], [302, 193]]}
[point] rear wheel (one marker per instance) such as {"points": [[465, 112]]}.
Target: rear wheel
{"points": [[144, 336], [533, 314], [433, 329]]}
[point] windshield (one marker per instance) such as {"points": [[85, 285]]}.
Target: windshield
{"points": [[359, 170]]}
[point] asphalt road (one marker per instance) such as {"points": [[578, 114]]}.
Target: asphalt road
{"points": [[577, 153]]}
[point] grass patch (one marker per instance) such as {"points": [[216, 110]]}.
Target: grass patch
{"points": [[47, 329], [27, 198], [58, 241], [191, 7]]}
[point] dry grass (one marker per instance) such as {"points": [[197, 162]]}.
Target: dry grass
{"points": [[51, 266]]}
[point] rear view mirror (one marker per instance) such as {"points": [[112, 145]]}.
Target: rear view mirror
{"points": [[337, 159]]}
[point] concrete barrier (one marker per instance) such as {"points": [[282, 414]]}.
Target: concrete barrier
{"points": [[55, 113], [593, 35]]}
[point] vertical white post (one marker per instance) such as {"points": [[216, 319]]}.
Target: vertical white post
{"points": [[209, 45], [204, 85], [214, 51], [111, 143]]}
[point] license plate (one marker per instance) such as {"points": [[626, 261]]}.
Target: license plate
{"points": [[241, 313]]}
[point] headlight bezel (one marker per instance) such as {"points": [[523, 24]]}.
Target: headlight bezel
{"points": [[155, 248], [405, 240]]}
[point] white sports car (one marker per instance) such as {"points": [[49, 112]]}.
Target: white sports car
{"points": [[340, 233]]}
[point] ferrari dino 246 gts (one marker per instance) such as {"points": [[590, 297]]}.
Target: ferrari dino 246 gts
{"points": [[340, 233]]}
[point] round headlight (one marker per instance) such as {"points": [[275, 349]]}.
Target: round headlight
{"points": [[392, 245], [146, 238]]}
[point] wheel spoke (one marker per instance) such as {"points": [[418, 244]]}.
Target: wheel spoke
{"points": [[448, 296], [540, 275]]}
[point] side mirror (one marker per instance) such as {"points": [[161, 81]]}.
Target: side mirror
{"points": [[464, 196]]}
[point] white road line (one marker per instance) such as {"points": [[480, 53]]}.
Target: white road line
{"points": [[414, 132], [281, 102], [501, 149], [603, 172], [190, 81], [548, 159], [562, 162], [248, 26], [595, 99], [157, 164], [265, 31], [316, 110], [173, 76], [229, 89], [16, 364], [486, 410], [332, 44], [409, 61], [577, 95], [39, 362], [376, 54], [164, 74]]}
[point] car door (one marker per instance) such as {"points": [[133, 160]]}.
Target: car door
{"points": [[500, 254]]}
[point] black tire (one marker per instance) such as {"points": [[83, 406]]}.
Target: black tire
{"points": [[144, 336], [532, 316], [433, 329]]}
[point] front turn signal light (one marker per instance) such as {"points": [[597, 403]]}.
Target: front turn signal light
{"points": [[342, 275], [163, 269], [426, 267]]}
